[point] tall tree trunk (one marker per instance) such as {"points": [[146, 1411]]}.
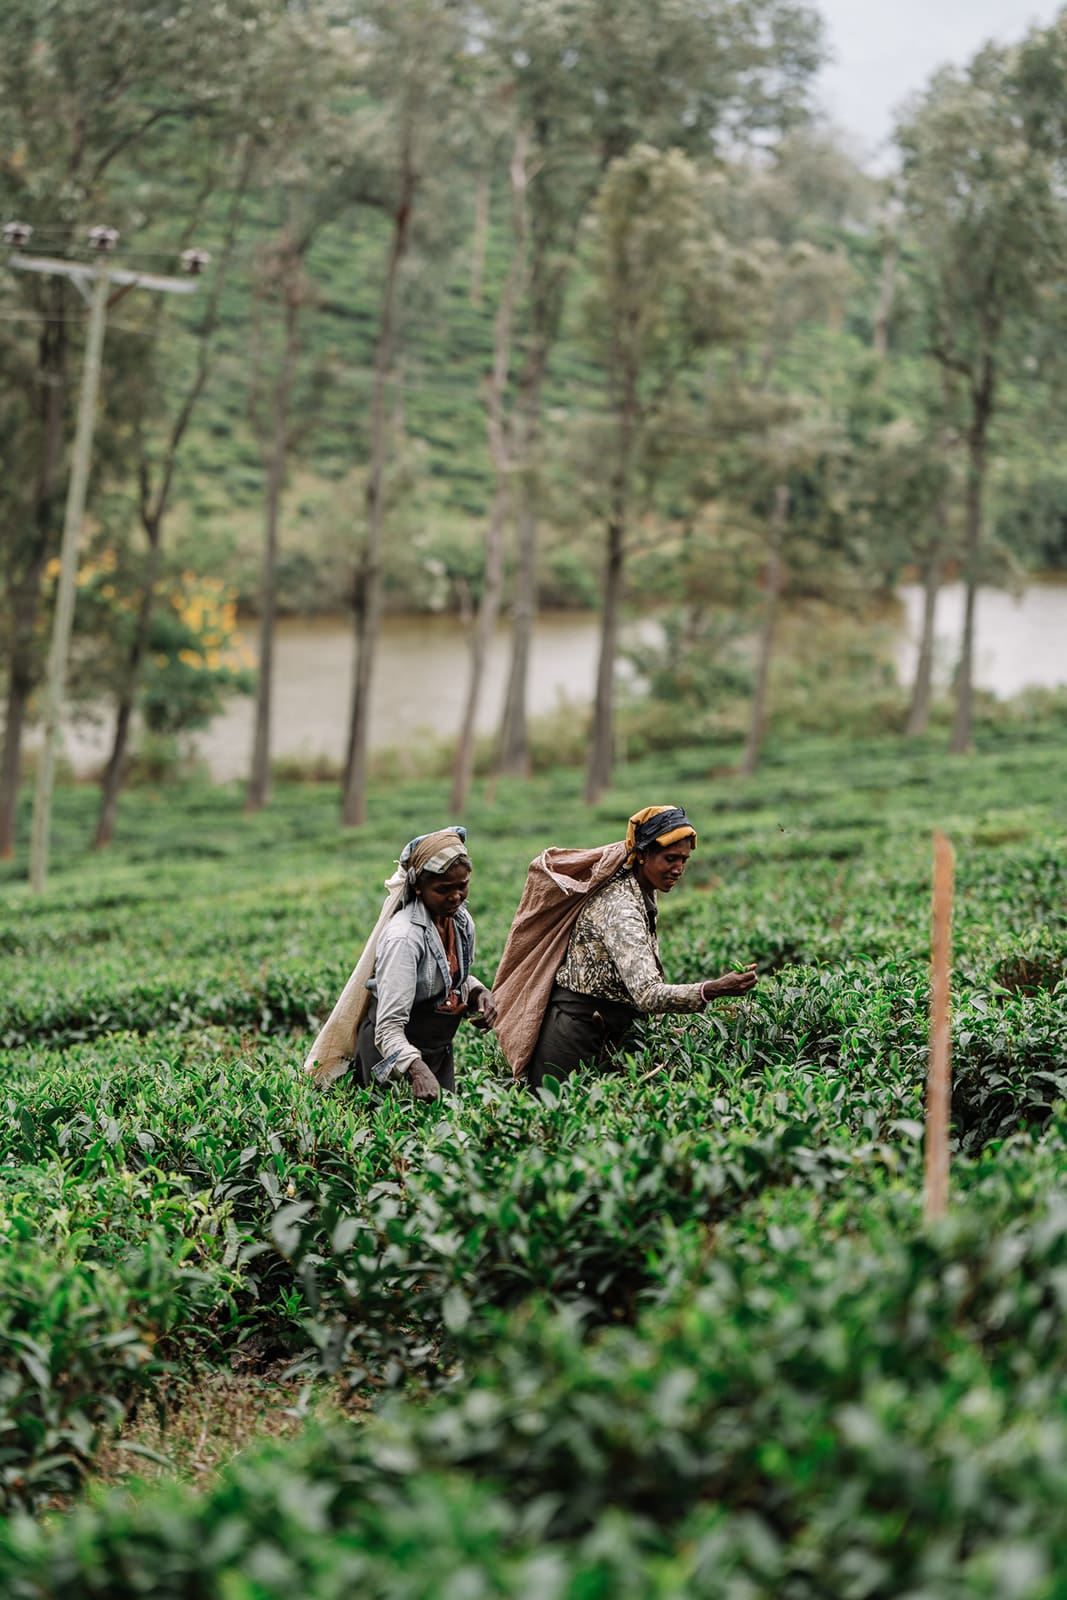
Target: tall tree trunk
{"points": [[886, 295], [18, 694], [513, 744], [367, 597], [47, 514], [919, 708], [479, 236], [22, 677], [259, 775], [481, 638], [552, 251], [501, 453], [773, 589], [115, 769], [981, 411], [602, 743]]}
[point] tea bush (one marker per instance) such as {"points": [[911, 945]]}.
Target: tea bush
{"points": [[678, 1330], [840, 1401]]}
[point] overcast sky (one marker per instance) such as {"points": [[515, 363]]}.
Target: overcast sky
{"points": [[884, 49]]}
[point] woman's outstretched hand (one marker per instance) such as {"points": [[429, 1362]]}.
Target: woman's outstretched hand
{"points": [[730, 983], [424, 1085]]}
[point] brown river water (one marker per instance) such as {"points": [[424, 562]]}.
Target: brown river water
{"points": [[421, 673]]}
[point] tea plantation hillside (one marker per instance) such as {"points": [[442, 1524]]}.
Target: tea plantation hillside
{"points": [[680, 1331]]}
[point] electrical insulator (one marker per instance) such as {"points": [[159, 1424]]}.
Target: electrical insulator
{"points": [[194, 261], [103, 239], [16, 234]]}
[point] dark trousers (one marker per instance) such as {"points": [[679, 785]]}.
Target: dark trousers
{"points": [[577, 1029], [429, 1030]]}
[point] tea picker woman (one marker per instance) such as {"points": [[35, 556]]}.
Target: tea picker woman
{"points": [[581, 964], [413, 985]]}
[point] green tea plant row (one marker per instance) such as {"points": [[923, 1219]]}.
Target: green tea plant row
{"points": [[272, 964], [364, 1236], [173, 1190], [354, 1231], [90, 1310], [834, 1400]]}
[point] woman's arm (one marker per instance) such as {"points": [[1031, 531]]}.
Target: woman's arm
{"points": [[629, 941], [478, 996], [395, 976]]}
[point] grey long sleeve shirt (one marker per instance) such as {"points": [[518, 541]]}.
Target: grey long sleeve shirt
{"points": [[410, 967]]}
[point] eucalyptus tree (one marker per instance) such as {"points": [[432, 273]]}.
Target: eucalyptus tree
{"points": [[163, 389], [984, 198], [418, 63], [665, 285], [791, 466], [904, 492], [501, 439], [312, 173], [758, 441], [796, 212], [92, 97], [591, 79]]}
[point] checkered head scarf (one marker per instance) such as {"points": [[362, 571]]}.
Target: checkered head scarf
{"points": [[431, 852]]}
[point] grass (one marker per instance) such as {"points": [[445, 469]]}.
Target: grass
{"points": [[214, 1417]]}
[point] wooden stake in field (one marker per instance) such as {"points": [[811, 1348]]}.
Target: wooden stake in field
{"points": [[938, 1082]]}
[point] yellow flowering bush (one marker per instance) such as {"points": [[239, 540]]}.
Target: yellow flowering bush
{"points": [[195, 656]]}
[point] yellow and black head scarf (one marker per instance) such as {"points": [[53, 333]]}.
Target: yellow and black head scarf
{"points": [[661, 825]]}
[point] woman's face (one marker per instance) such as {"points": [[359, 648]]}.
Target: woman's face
{"points": [[660, 868], [442, 893]]}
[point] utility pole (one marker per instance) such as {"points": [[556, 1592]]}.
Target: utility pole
{"points": [[94, 283]]}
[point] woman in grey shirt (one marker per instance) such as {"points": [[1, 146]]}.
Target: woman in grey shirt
{"points": [[423, 985]]}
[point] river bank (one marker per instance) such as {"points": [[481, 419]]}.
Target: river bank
{"points": [[421, 675]]}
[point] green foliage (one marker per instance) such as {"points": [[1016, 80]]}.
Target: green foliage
{"points": [[193, 662], [697, 1292], [104, 1282], [193, 659], [837, 1401], [682, 1330]]}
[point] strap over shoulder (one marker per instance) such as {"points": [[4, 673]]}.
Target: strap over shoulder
{"points": [[335, 1047]]}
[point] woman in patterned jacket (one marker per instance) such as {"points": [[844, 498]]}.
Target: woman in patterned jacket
{"points": [[598, 908]]}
